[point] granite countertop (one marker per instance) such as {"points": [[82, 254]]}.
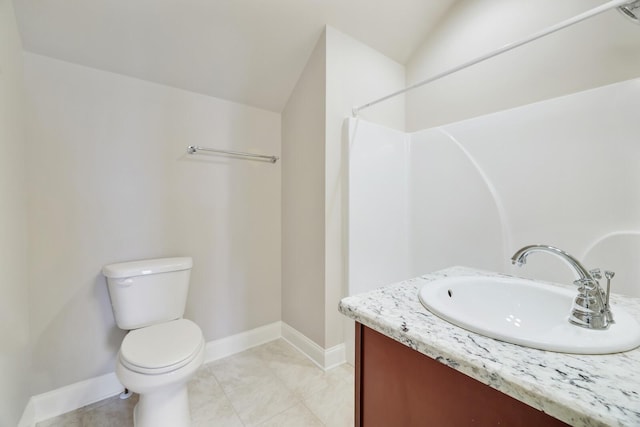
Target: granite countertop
{"points": [[581, 390]]}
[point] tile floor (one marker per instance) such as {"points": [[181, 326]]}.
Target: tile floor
{"points": [[272, 385]]}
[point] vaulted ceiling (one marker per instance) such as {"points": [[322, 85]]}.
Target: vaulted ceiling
{"points": [[247, 51]]}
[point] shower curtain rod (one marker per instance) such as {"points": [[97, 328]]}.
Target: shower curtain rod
{"points": [[552, 29]]}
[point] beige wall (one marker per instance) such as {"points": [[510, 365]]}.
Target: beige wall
{"points": [[14, 335], [341, 73], [110, 181], [602, 50], [303, 187]]}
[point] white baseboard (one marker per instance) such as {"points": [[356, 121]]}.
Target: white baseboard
{"points": [[228, 346], [71, 397], [334, 356], [74, 396], [325, 359]]}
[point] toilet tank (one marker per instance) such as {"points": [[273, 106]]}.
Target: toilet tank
{"points": [[149, 291]]}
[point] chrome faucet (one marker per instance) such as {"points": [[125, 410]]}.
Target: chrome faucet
{"points": [[591, 306], [520, 258]]}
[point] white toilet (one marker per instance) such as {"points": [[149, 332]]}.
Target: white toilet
{"points": [[162, 351]]}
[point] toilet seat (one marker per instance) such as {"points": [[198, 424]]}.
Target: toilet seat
{"points": [[161, 348]]}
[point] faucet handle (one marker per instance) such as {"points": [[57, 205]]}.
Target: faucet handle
{"points": [[585, 285], [596, 273], [607, 307]]}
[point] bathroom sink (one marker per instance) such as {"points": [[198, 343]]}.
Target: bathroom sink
{"points": [[525, 312]]}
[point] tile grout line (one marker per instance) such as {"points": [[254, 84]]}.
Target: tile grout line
{"points": [[275, 374], [235, 411]]}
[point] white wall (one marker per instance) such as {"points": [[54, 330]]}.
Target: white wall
{"points": [[593, 53], [14, 318], [110, 180]]}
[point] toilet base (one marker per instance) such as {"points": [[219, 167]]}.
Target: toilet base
{"points": [[164, 408]]}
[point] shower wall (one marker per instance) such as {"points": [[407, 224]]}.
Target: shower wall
{"points": [[378, 194], [453, 215], [561, 172], [566, 172]]}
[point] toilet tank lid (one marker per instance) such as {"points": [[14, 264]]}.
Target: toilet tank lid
{"points": [[146, 266]]}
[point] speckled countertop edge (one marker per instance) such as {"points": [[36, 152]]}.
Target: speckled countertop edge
{"points": [[581, 390]]}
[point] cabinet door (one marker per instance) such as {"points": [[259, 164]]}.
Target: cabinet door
{"points": [[398, 386]]}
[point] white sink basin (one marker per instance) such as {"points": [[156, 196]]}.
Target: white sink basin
{"points": [[525, 312]]}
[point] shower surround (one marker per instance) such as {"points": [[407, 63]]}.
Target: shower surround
{"points": [[561, 172]]}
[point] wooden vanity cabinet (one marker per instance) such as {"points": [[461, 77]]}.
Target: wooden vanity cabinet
{"points": [[398, 386]]}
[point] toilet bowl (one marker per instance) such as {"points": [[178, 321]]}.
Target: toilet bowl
{"points": [[157, 362]]}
